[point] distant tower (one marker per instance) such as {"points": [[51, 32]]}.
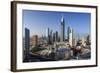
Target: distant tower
{"points": [[70, 36], [48, 35], [27, 42], [88, 40], [51, 37], [74, 39], [34, 40], [56, 36], [62, 35]]}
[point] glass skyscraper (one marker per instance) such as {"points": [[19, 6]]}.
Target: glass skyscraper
{"points": [[62, 35], [27, 42]]}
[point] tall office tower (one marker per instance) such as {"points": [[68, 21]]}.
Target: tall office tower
{"points": [[48, 35], [56, 36], [62, 35], [51, 37], [27, 42], [70, 36], [88, 40], [74, 39], [35, 41]]}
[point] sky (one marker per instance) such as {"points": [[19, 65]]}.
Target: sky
{"points": [[38, 21]]}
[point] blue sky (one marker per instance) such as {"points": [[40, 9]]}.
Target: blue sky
{"points": [[38, 21]]}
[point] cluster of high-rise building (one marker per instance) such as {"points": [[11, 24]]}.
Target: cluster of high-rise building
{"points": [[55, 36], [51, 36], [60, 36], [70, 38]]}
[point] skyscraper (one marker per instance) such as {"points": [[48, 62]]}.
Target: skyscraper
{"points": [[75, 39], [51, 37], [62, 35], [27, 42], [56, 36], [88, 40], [70, 36], [34, 41], [48, 35]]}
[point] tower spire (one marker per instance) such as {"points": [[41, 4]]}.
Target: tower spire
{"points": [[62, 19]]}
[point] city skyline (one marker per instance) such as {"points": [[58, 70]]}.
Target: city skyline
{"points": [[51, 36], [39, 21]]}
